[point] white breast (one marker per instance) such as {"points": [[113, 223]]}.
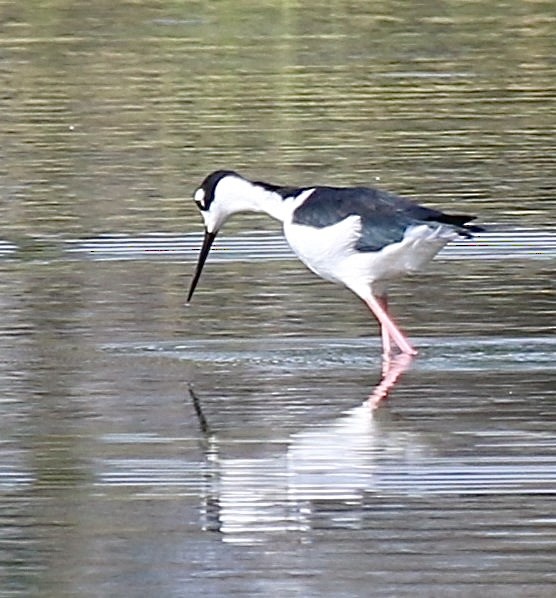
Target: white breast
{"points": [[330, 252], [325, 250]]}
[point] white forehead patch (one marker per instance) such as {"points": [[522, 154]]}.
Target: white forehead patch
{"points": [[199, 197]]}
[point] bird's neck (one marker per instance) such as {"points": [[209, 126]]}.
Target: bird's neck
{"points": [[259, 197]]}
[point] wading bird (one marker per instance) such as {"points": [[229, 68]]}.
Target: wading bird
{"points": [[360, 237]]}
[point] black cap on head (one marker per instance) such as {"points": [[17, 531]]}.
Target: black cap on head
{"points": [[205, 192]]}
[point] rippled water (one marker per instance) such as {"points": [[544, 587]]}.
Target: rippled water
{"points": [[253, 443]]}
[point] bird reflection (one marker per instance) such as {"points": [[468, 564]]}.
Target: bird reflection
{"points": [[247, 498]]}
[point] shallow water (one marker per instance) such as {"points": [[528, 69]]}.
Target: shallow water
{"points": [[248, 444]]}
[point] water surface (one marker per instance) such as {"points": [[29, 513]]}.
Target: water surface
{"points": [[236, 447]]}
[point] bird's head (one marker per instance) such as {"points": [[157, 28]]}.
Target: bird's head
{"points": [[221, 194]]}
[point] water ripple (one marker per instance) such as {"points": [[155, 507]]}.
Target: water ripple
{"points": [[497, 244], [438, 354]]}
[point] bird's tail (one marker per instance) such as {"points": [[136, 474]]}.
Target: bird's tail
{"points": [[460, 221]]}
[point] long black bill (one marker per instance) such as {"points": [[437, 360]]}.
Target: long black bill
{"points": [[207, 243]]}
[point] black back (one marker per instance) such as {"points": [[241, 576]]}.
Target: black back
{"points": [[384, 216]]}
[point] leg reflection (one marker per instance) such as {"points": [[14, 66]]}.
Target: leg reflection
{"points": [[392, 369]]}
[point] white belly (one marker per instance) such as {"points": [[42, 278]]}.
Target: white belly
{"points": [[330, 252]]}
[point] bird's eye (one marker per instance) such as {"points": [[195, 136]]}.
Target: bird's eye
{"points": [[199, 198]]}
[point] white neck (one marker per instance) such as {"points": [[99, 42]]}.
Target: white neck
{"points": [[241, 195], [235, 194]]}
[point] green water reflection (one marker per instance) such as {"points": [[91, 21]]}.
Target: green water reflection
{"points": [[112, 113]]}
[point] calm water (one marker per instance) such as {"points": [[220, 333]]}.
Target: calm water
{"points": [[232, 448]]}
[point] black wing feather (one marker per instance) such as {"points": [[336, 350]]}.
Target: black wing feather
{"points": [[385, 217]]}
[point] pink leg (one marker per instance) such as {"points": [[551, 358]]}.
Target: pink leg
{"points": [[388, 326], [386, 340]]}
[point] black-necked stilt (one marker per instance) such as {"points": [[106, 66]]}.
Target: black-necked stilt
{"points": [[357, 236]]}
